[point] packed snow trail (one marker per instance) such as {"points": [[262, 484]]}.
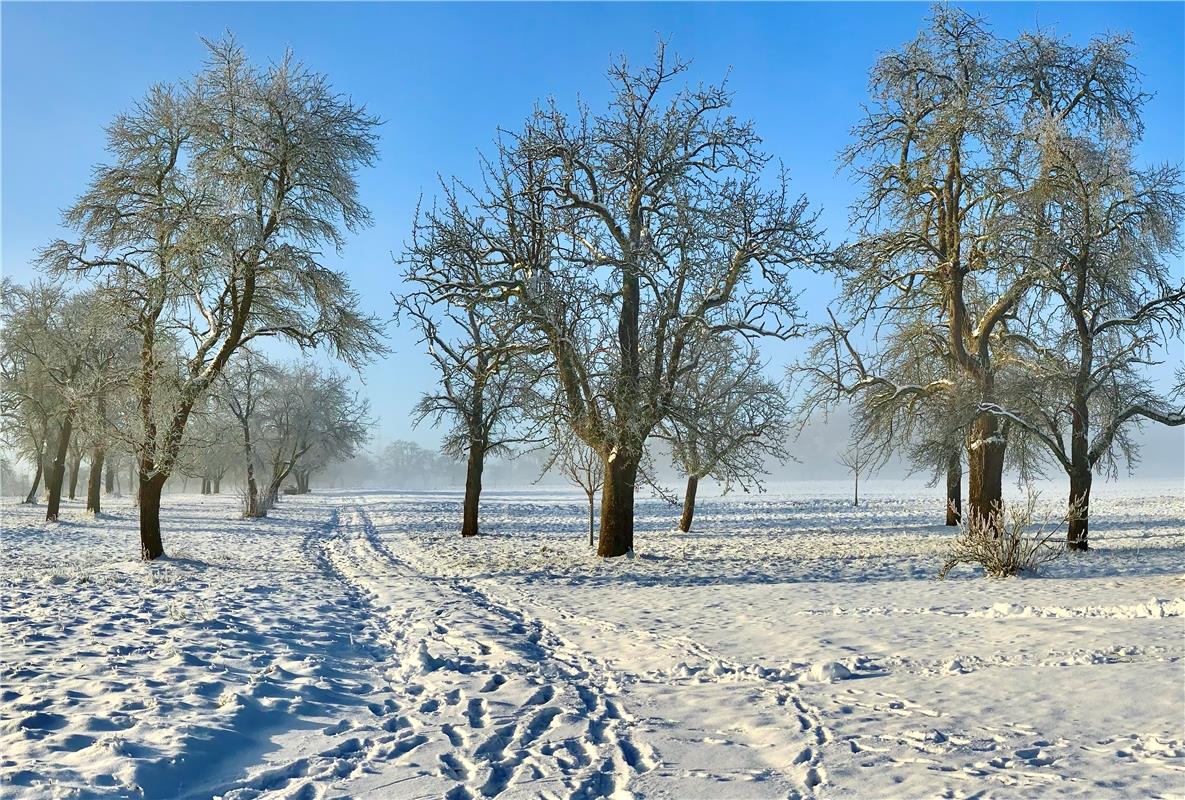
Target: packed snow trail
{"points": [[485, 701]]}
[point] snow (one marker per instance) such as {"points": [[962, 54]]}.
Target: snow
{"points": [[790, 646]]}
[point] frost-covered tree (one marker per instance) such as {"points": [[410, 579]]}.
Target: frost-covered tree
{"points": [[949, 154], [1108, 303], [60, 350], [856, 461], [212, 447], [405, 464], [29, 403], [726, 420], [582, 466], [243, 387], [476, 351], [308, 410], [291, 420], [619, 239], [208, 225]]}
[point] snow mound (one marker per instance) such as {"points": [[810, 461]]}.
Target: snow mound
{"points": [[1155, 608], [829, 672]]}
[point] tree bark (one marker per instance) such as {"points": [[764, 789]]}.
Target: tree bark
{"points": [[95, 482], [110, 488], [985, 481], [591, 496], [954, 489], [473, 488], [617, 505], [1078, 514], [75, 468], [151, 486], [216, 487], [252, 491], [32, 495], [252, 509], [688, 503], [57, 475]]}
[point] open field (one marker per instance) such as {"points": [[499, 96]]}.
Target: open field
{"points": [[792, 646]]}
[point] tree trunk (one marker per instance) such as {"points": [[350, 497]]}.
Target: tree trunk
{"points": [[591, 496], [1079, 516], [57, 475], [473, 488], [110, 488], [252, 509], [75, 468], [688, 503], [150, 491], [216, 488], [985, 482], [617, 505], [29, 498], [856, 491], [954, 489], [95, 483]]}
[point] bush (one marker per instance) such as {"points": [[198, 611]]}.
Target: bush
{"points": [[1001, 543], [262, 504]]}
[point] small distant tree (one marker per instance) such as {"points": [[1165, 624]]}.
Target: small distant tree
{"points": [[855, 460], [407, 464], [208, 227], [476, 353], [242, 388], [65, 347], [726, 420], [585, 468]]}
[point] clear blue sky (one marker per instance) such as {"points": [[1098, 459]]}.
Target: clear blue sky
{"points": [[445, 76]]}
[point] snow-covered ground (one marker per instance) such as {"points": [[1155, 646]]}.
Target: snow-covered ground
{"points": [[793, 646]]}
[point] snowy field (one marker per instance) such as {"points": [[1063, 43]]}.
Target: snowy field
{"points": [[354, 646]]}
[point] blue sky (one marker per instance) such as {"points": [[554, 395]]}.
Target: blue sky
{"points": [[445, 76]]}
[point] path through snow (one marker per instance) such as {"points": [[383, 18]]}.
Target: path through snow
{"points": [[353, 646]]}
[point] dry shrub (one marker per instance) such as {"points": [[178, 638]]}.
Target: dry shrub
{"points": [[1002, 543], [262, 504]]}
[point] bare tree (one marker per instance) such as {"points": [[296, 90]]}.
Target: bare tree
{"points": [[726, 420], [1097, 320], [619, 239], [66, 346], [855, 460], [242, 388], [308, 410], [476, 350], [584, 467], [209, 223], [29, 402], [949, 152]]}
